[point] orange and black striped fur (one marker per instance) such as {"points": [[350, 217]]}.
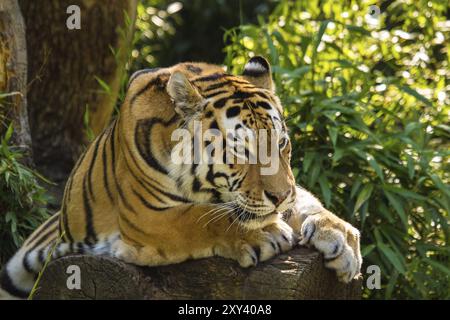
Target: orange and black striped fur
{"points": [[125, 196]]}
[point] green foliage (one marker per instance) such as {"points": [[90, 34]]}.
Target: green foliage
{"points": [[168, 31], [367, 101], [22, 199]]}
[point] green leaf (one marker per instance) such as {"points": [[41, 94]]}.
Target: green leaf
{"points": [[104, 85], [438, 266], [363, 196], [322, 28], [307, 160], [405, 193], [439, 184], [398, 206], [410, 165], [355, 187], [393, 259], [367, 249], [325, 187], [313, 174], [9, 94], [391, 284], [358, 29], [413, 93], [333, 131], [9, 133], [374, 164]]}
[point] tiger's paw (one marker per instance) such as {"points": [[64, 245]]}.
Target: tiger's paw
{"points": [[261, 245], [124, 252], [337, 240]]}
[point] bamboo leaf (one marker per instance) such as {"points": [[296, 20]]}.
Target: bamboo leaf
{"points": [[393, 259], [398, 206], [325, 187], [363, 196]]}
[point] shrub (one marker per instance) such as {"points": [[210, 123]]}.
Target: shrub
{"points": [[168, 32], [22, 199], [366, 100]]}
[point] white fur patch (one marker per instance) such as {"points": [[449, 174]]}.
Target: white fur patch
{"points": [[256, 67]]}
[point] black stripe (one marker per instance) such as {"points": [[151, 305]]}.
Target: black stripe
{"points": [[44, 237], [130, 239], [264, 105], [140, 72], [241, 95], [262, 95], [147, 204], [254, 73], [25, 262], [194, 69], [113, 159], [141, 171], [143, 131], [216, 86], [113, 148], [145, 177], [257, 251], [122, 197], [91, 166], [219, 104], [159, 82], [211, 77], [43, 228], [66, 227], [41, 257], [91, 237], [133, 226], [146, 186], [233, 112], [80, 248], [215, 93], [74, 170], [105, 169]]}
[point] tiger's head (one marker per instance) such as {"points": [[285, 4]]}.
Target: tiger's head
{"points": [[228, 143]]}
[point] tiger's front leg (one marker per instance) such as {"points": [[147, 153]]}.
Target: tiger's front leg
{"points": [[336, 239], [193, 233]]}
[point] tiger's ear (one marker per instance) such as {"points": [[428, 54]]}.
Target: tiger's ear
{"points": [[184, 94], [257, 71]]}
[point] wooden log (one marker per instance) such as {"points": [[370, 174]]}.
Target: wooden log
{"points": [[300, 274]]}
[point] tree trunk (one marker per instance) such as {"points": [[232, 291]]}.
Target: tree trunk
{"points": [[297, 275], [13, 76], [62, 68]]}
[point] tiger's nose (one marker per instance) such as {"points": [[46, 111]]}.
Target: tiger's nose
{"points": [[277, 197]]}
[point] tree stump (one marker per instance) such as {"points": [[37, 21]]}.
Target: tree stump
{"points": [[300, 274]]}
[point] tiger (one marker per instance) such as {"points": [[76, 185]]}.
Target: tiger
{"points": [[128, 199]]}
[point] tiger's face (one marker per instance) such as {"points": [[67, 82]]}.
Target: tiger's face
{"points": [[239, 148]]}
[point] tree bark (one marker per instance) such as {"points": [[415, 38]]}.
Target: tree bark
{"points": [[13, 76], [62, 68], [298, 275]]}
